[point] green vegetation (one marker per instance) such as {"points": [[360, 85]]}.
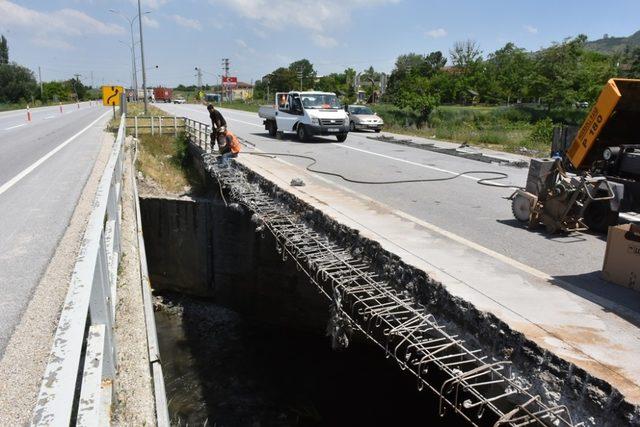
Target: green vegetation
{"points": [[164, 159]]}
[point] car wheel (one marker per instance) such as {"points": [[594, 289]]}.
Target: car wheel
{"points": [[352, 127], [272, 128], [279, 134], [342, 137], [302, 133], [378, 130]]}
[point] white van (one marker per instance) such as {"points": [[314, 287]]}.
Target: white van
{"points": [[307, 114]]}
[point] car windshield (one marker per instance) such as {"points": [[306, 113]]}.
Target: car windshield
{"points": [[360, 110], [320, 100]]}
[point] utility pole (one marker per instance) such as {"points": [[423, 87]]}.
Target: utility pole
{"points": [[300, 76], [225, 71], [40, 80], [144, 72]]}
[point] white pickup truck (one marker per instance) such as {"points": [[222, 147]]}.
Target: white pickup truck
{"points": [[307, 114]]}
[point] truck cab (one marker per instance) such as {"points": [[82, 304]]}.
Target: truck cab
{"points": [[306, 114]]}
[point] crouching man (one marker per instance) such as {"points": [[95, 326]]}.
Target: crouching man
{"points": [[228, 146]]}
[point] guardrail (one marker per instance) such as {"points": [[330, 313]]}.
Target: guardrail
{"points": [[84, 337], [161, 125], [198, 133]]}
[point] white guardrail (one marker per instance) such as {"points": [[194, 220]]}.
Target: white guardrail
{"points": [[84, 340]]}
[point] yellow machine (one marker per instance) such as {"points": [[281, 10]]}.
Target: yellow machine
{"points": [[589, 183]]}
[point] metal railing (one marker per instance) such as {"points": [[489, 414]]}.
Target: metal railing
{"points": [[199, 134], [84, 337], [154, 125]]}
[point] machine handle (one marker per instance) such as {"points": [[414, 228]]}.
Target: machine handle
{"points": [[610, 192]]}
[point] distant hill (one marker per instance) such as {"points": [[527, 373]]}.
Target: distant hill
{"points": [[614, 44]]}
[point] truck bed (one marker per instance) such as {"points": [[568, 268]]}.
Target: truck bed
{"points": [[267, 112]]}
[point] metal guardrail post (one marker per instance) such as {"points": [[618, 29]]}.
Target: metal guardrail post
{"points": [[135, 121], [160, 124], [175, 126], [152, 129]]}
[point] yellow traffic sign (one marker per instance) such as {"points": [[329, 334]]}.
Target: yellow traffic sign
{"points": [[111, 95]]}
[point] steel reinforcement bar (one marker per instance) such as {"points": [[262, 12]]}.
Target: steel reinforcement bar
{"points": [[480, 390]]}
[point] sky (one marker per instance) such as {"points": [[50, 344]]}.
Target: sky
{"points": [[82, 36]]}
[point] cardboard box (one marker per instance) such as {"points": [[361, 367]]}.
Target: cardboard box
{"points": [[622, 258]]}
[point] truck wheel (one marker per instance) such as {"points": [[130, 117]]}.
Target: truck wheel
{"points": [[302, 133], [352, 127], [342, 137], [599, 217], [272, 128]]}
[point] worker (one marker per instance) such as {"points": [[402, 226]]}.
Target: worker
{"points": [[228, 145], [218, 123]]}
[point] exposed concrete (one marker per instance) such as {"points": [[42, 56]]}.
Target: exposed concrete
{"points": [[567, 346], [28, 349], [134, 403], [202, 248]]}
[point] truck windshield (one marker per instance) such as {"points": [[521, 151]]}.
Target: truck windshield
{"points": [[320, 100]]}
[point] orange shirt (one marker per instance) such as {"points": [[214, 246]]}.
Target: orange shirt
{"points": [[232, 142]]}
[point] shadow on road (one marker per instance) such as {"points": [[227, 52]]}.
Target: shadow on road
{"points": [[613, 298]]}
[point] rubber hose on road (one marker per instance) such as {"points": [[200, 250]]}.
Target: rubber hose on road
{"points": [[484, 181]]}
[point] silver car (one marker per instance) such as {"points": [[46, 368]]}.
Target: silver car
{"points": [[361, 117]]}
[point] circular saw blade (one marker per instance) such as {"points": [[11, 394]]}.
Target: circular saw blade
{"points": [[521, 208]]}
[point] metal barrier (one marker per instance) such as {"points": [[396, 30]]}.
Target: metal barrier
{"points": [[199, 134], [84, 337], [161, 125]]}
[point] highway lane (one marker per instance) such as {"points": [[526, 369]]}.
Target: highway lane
{"points": [[43, 168], [461, 206], [15, 119]]}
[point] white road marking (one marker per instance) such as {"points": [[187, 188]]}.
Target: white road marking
{"points": [[13, 181], [16, 126], [50, 117], [473, 178]]}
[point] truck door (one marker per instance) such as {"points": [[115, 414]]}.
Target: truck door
{"points": [[289, 114]]}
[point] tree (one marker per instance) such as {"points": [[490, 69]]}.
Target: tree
{"points": [[465, 55], [17, 83], [4, 50], [556, 72], [631, 63], [303, 68], [415, 93], [509, 69], [433, 62]]}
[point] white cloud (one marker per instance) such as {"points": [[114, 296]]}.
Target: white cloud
{"points": [[52, 43], [324, 41], [69, 22], [150, 4], [531, 29], [318, 17], [193, 24], [436, 33], [150, 22]]}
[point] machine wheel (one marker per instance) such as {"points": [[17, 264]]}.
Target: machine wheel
{"points": [[599, 217], [342, 137], [521, 208], [352, 127], [302, 133], [272, 128]]}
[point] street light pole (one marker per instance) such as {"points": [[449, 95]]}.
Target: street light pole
{"points": [[144, 73], [131, 21]]}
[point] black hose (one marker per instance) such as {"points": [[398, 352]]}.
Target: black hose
{"points": [[484, 181]]}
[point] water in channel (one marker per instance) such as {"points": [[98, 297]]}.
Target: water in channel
{"points": [[224, 369]]}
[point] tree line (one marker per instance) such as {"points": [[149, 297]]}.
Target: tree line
{"points": [[558, 76], [19, 85]]}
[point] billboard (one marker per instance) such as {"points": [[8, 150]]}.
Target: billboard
{"points": [[229, 81]]}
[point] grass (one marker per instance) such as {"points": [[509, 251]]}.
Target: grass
{"points": [[164, 159]]}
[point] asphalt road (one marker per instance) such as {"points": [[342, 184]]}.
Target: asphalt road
{"points": [[461, 206], [44, 165]]}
